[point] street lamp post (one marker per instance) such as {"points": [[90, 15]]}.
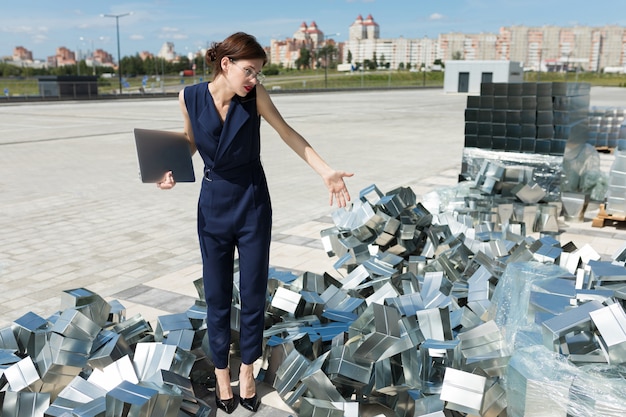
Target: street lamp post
{"points": [[325, 50], [93, 64], [119, 59], [78, 60]]}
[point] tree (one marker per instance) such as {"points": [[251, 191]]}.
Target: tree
{"points": [[9, 70], [457, 56], [272, 69], [304, 61], [349, 56], [327, 55], [132, 66]]}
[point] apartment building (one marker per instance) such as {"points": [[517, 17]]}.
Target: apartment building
{"points": [[365, 44], [554, 48], [546, 48], [22, 54], [287, 52], [62, 57]]}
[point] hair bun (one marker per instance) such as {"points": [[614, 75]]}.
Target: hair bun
{"points": [[211, 55]]}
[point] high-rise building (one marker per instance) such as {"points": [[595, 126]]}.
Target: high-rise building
{"points": [[366, 45], [287, 52], [554, 48], [22, 54], [167, 52], [63, 57], [102, 57], [547, 48]]}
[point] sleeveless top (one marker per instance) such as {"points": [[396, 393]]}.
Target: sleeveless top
{"points": [[234, 195], [227, 147]]}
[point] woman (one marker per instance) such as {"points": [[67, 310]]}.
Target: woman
{"points": [[222, 122]]}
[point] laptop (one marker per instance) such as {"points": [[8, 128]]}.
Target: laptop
{"points": [[160, 151]]}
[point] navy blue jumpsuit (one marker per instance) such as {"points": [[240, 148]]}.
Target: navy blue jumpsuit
{"points": [[234, 211]]}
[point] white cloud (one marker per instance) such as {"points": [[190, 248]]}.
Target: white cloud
{"points": [[172, 33], [18, 29], [179, 36], [435, 16], [137, 37], [39, 38]]}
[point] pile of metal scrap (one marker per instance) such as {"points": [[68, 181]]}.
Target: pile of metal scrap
{"points": [[88, 360], [449, 310], [435, 308]]}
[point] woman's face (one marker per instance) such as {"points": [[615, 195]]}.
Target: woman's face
{"points": [[244, 74]]}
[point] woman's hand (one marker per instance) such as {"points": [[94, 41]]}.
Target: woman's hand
{"points": [[167, 182], [337, 188]]}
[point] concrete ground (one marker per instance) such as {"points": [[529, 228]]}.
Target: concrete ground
{"points": [[73, 212]]}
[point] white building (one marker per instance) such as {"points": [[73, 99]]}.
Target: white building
{"points": [[167, 52], [364, 44], [467, 76]]}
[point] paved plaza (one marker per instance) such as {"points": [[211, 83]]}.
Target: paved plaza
{"points": [[74, 213]]}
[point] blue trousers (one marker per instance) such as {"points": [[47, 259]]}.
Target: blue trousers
{"points": [[235, 213]]}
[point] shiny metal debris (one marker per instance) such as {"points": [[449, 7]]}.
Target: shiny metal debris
{"points": [[73, 366], [312, 407], [286, 301], [463, 391], [32, 404], [574, 205], [465, 302], [107, 348], [616, 192], [611, 324], [30, 331], [289, 375], [135, 329], [23, 376], [88, 303], [142, 400]]}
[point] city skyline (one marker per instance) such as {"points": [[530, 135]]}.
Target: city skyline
{"points": [[41, 27]]}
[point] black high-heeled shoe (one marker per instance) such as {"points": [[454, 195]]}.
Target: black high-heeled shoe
{"points": [[227, 405], [251, 404]]}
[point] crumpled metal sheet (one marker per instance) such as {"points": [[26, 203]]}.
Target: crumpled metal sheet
{"points": [[463, 391], [88, 303], [425, 314], [143, 400], [546, 171], [23, 376], [22, 404]]}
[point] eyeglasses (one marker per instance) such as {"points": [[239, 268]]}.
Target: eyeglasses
{"points": [[259, 76]]}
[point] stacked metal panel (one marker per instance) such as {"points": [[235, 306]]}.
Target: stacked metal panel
{"points": [[537, 118], [616, 193], [606, 126], [538, 125]]}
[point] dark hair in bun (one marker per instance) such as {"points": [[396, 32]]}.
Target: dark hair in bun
{"points": [[239, 45]]}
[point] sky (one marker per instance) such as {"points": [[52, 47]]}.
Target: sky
{"points": [[42, 25]]}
